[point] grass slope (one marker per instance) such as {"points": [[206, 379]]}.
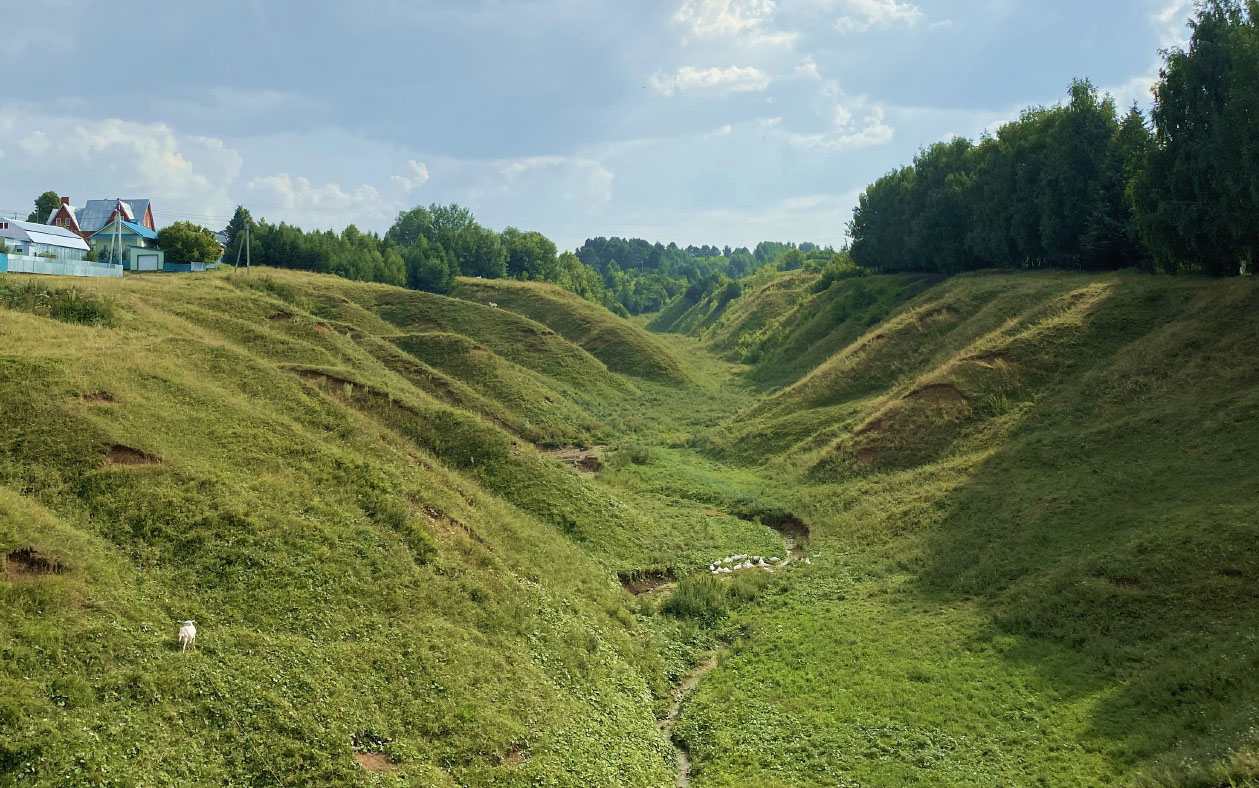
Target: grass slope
{"points": [[339, 482], [1034, 508], [622, 346]]}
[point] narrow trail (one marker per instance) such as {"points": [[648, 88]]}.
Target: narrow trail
{"points": [[684, 690], [680, 694]]}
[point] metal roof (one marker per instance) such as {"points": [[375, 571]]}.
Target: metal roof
{"points": [[42, 234], [96, 213], [137, 229]]}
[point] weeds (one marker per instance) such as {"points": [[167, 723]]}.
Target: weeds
{"points": [[68, 305]]}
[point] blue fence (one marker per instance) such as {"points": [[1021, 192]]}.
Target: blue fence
{"points": [[25, 264]]}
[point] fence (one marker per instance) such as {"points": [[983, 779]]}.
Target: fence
{"points": [[26, 264]]}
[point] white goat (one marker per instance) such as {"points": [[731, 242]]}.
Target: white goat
{"points": [[493, 305], [188, 635]]}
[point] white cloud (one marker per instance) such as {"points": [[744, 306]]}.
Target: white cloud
{"points": [[861, 16], [35, 144], [808, 69], [735, 79], [417, 175], [1171, 22], [747, 20], [103, 158], [579, 180], [847, 134], [309, 206]]}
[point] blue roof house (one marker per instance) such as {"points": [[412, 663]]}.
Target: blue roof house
{"points": [[134, 245]]}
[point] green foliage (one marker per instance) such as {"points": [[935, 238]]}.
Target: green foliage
{"points": [[1076, 187], [91, 255], [1045, 191], [702, 598], [45, 204], [185, 242], [68, 305], [1195, 193], [840, 267]]}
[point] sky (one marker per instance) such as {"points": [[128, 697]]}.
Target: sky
{"points": [[696, 121]]}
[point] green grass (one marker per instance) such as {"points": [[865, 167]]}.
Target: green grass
{"points": [[619, 344], [1030, 500]]}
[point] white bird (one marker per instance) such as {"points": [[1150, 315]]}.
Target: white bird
{"points": [[188, 635], [761, 562], [774, 560]]}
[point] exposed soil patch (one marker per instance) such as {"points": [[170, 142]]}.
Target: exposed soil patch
{"points": [[515, 756], [1125, 582], [666, 725], [374, 761], [125, 456], [280, 317], [323, 328], [873, 425], [645, 581], [320, 377], [437, 518], [867, 456], [98, 398], [938, 392], [585, 460], [780, 520], [880, 336], [28, 565], [990, 360]]}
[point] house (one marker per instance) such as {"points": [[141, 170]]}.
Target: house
{"points": [[42, 240], [65, 217], [132, 244], [98, 214]]}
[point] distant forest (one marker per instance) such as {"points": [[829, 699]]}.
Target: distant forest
{"points": [[428, 247], [1078, 186]]}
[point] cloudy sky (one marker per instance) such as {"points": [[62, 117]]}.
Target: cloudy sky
{"points": [[700, 121]]}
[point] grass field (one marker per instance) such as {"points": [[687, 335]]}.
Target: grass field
{"points": [[1031, 506]]}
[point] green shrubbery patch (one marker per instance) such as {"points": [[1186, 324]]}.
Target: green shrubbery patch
{"points": [[67, 304]]}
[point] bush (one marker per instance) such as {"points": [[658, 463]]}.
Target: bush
{"points": [[66, 305], [840, 267], [701, 598]]}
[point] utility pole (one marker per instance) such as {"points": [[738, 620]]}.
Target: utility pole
{"points": [[247, 249]]}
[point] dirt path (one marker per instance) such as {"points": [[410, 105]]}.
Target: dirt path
{"points": [[680, 695], [683, 690]]}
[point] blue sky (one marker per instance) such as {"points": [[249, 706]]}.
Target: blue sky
{"points": [[700, 121]]}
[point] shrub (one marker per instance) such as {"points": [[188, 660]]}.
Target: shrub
{"points": [[840, 267], [67, 305], [701, 598]]}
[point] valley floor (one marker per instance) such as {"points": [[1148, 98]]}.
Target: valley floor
{"points": [[432, 542]]}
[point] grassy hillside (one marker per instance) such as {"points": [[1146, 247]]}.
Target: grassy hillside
{"points": [[1025, 504], [339, 482], [623, 347], [1035, 515]]}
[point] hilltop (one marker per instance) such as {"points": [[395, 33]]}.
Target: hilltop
{"points": [[1024, 500]]}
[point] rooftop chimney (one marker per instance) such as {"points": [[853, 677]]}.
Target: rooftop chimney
{"points": [[65, 200]]}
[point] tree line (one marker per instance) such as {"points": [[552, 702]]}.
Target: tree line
{"points": [[427, 247], [1080, 186]]}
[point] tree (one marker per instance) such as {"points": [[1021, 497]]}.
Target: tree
{"points": [[91, 255], [45, 204], [236, 237], [428, 267], [185, 242], [528, 253], [1197, 196]]}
